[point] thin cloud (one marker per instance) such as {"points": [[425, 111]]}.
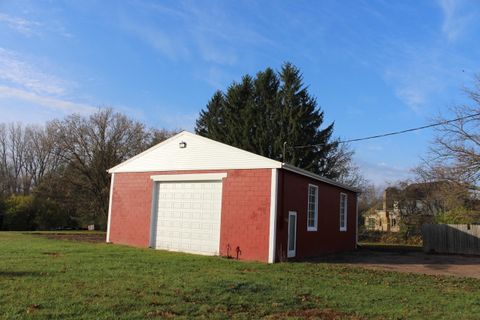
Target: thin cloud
{"points": [[455, 20], [382, 173], [419, 74], [17, 71], [45, 101], [21, 25], [191, 31], [161, 41], [169, 119], [21, 80], [415, 75]]}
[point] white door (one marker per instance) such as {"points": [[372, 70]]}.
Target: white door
{"points": [[292, 234], [188, 216]]}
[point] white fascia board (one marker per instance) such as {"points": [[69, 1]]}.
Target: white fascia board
{"points": [[189, 177], [317, 177], [114, 169], [110, 208], [272, 239]]}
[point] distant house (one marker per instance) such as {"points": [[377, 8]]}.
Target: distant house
{"points": [[385, 219], [414, 204], [193, 194]]}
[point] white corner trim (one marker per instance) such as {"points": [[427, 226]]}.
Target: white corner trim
{"points": [[273, 216], [153, 215], [189, 177], [109, 220]]}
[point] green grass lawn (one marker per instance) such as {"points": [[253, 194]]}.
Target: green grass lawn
{"points": [[57, 279]]}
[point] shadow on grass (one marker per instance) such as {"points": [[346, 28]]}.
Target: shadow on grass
{"points": [[91, 237], [15, 274], [373, 255]]}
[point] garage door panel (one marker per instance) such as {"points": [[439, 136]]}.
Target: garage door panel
{"points": [[188, 216]]}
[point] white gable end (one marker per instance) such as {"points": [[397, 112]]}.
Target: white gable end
{"points": [[199, 154]]}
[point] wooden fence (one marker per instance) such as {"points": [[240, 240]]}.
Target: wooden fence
{"points": [[451, 238]]}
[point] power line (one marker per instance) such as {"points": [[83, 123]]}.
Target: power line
{"points": [[396, 132]]}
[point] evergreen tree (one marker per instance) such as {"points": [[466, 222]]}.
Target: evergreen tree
{"points": [[261, 114], [211, 122]]}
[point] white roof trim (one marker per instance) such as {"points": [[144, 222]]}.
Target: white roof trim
{"points": [[266, 163], [189, 177], [111, 170], [312, 175]]}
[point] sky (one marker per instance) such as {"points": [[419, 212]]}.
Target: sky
{"points": [[374, 66]]}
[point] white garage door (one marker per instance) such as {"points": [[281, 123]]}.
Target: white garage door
{"points": [[188, 216]]}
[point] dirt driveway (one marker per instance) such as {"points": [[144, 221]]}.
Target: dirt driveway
{"points": [[409, 261], [82, 236]]}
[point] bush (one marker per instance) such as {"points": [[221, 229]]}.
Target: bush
{"points": [[385, 237], [24, 213], [19, 213], [2, 210], [458, 215], [49, 215]]}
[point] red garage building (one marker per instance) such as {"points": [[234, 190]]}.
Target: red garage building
{"points": [[193, 194]]}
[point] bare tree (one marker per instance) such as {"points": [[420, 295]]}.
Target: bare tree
{"points": [[455, 154], [158, 135], [371, 197], [66, 161], [452, 167], [27, 153], [89, 147], [348, 171], [4, 168], [17, 145], [43, 154]]}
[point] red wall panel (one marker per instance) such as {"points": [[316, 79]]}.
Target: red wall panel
{"points": [[245, 211], [293, 196], [131, 209], [246, 214]]}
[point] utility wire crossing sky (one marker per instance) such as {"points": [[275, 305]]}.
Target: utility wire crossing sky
{"points": [[398, 132]]}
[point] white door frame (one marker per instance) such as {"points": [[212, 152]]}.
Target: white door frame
{"points": [[292, 253], [196, 177]]}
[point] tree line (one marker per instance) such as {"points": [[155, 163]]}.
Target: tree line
{"points": [[55, 175]]}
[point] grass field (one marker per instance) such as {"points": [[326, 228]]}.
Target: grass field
{"points": [[42, 278]]}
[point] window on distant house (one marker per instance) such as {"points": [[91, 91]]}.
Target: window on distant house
{"points": [[312, 210], [371, 223], [394, 222], [343, 212]]}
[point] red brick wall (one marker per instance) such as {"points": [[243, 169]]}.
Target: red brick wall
{"points": [[293, 193], [245, 211], [246, 214], [131, 209]]}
